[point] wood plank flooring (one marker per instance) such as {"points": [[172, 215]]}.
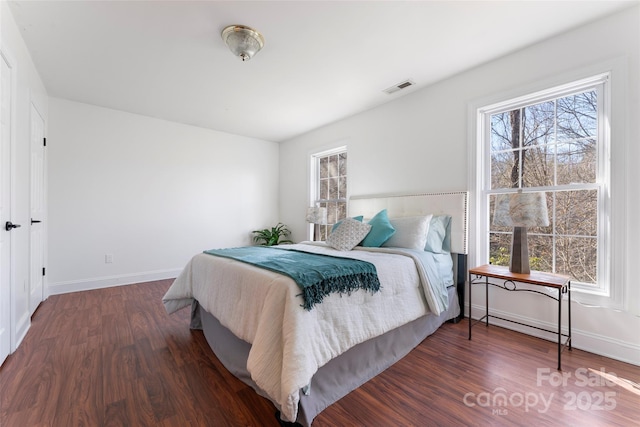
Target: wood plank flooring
{"points": [[113, 357]]}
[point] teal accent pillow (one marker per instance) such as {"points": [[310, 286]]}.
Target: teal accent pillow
{"points": [[337, 224], [381, 230], [439, 235]]}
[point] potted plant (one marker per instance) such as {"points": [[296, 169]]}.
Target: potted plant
{"points": [[272, 236]]}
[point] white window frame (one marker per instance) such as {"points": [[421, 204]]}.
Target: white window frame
{"points": [[610, 289], [314, 175]]}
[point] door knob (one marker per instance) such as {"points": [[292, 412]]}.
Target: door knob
{"points": [[35, 221], [10, 226]]}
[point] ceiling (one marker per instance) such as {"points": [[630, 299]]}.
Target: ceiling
{"points": [[322, 60]]}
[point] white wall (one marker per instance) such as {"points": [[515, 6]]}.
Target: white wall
{"points": [[149, 192], [420, 142], [28, 89]]}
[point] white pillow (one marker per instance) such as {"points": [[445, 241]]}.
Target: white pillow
{"points": [[348, 234], [411, 232]]}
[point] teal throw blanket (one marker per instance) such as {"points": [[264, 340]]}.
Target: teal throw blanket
{"points": [[317, 275]]}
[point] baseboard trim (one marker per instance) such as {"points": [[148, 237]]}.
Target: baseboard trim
{"points": [[583, 340], [22, 327], [110, 281]]}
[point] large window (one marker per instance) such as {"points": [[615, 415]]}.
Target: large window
{"points": [[329, 188], [554, 141]]}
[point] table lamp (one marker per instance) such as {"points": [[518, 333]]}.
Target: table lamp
{"points": [[316, 215], [520, 210]]}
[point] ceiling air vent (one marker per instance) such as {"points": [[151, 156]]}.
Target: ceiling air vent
{"points": [[402, 85]]}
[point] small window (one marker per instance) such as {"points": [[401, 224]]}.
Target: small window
{"points": [[329, 188]]}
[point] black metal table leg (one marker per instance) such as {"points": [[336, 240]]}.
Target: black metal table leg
{"points": [[470, 286], [569, 312], [486, 300], [559, 328]]}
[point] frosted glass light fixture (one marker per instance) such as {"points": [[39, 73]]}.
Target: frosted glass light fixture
{"points": [[244, 42], [520, 210]]}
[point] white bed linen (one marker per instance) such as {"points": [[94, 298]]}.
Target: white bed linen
{"points": [[289, 343]]}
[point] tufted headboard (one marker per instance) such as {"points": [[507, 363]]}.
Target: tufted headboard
{"points": [[450, 203]]}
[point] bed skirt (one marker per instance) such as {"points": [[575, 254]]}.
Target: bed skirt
{"points": [[339, 376]]}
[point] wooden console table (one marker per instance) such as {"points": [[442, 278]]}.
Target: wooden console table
{"points": [[482, 274]]}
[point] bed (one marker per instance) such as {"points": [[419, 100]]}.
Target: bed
{"points": [[304, 358]]}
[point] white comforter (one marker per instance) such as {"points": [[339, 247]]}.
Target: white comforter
{"points": [[289, 343]]}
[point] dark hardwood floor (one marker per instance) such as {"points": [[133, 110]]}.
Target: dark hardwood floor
{"points": [[113, 357]]}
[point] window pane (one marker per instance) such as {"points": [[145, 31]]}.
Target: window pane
{"points": [[332, 213], [324, 167], [577, 161], [324, 231], [540, 252], [502, 131], [333, 166], [505, 169], [333, 188], [499, 248], [343, 164], [538, 124], [576, 213], [578, 116], [575, 257], [537, 167], [342, 210], [323, 186], [342, 188]]}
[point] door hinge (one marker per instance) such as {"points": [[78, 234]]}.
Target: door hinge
{"points": [[44, 141], [44, 271]]}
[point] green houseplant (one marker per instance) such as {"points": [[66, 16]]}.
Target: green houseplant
{"points": [[272, 236]]}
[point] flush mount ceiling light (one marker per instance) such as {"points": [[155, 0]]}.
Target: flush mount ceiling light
{"points": [[243, 41]]}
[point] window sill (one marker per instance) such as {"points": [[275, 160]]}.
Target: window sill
{"points": [[597, 299]]}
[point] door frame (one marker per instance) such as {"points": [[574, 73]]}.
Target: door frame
{"points": [[44, 294], [12, 64]]}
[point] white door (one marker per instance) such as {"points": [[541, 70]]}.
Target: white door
{"points": [[36, 289], [5, 208]]}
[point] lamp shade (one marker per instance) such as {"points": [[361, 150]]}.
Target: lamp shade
{"points": [[521, 210], [317, 215]]}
